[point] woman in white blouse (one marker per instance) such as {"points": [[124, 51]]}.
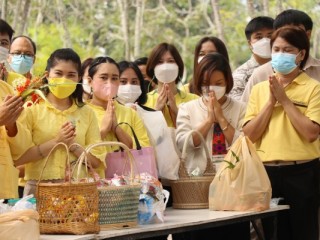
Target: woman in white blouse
{"points": [[218, 118], [215, 115]]}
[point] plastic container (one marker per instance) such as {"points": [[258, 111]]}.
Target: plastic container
{"points": [[13, 201]]}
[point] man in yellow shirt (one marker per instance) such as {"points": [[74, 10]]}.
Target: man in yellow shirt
{"points": [[283, 121], [10, 109], [22, 55]]}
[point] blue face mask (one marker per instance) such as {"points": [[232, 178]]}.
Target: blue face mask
{"points": [[21, 63], [283, 63]]}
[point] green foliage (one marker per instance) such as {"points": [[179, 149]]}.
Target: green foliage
{"points": [[230, 165], [95, 28]]}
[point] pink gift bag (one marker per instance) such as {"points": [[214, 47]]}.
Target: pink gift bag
{"points": [[145, 161]]}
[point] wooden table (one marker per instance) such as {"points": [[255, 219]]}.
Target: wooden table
{"points": [[177, 221]]}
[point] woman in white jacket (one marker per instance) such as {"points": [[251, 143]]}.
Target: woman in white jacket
{"points": [[215, 115], [218, 118]]}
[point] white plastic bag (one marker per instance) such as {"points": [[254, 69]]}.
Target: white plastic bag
{"points": [[242, 183], [19, 225], [163, 139]]}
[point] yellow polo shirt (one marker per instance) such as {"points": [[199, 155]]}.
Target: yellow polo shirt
{"points": [[8, 173], [124, 114], [281, 141], [41, 123], [180, 97]]}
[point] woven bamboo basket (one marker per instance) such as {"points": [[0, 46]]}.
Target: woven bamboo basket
{"points": [[118, 205], [67, 207], [192, 192]]}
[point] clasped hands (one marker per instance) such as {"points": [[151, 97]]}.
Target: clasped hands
{"points": [[166, 97]]}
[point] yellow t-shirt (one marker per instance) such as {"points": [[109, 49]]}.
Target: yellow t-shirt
{"points": [[180, 97], [281, 141], [8, 173], [41, 123], [127, 115], [185, 88]]}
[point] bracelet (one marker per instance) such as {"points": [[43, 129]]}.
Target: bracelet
{"points": [[39, 151], [226, 127], [74, 148]]}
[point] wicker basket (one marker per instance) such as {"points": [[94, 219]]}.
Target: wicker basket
{"points": [[118, 205], [67, 207], [189, 192]]}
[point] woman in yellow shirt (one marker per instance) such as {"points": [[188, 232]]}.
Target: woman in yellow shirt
{"points": [[165, 67], [104, 80], [62, 118]]}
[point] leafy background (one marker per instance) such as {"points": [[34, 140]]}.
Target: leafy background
{"points": [[128, 29]]}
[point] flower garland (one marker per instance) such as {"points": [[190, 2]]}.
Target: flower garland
{"points": [[30, 89]]}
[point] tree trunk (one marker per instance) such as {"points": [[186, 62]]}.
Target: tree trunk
{"points": [[41, 6], [17, 13], [250, 8], [266, 7], [66, 34], [138, 27], [23, 23], [4, 8], [123, 4], [316, 40], [279, 6], [205, 14], [217, 19]]}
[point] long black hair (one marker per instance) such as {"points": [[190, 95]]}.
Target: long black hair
{"points": [[124, 65], [68, 54], [93, 67]]}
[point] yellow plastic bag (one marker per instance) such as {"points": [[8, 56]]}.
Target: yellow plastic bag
{"points": [[241, 183], [19, 225]]}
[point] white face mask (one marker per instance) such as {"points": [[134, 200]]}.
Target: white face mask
{"points": [[262, 48], [128, 93], [200, 58], [3, 54], [166, 72], [218, 91], [86, 86]]}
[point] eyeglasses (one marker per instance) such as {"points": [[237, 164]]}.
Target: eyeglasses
{"points": [[20, 54]]}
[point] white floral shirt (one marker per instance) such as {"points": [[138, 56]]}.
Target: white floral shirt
{"points": [[241, 76]]}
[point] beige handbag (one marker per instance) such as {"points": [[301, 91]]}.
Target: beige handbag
{"points": [[191, 192]]}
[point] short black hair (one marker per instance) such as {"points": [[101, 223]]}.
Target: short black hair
{"points": [[29, 39], [210, 63], [6, 28], [258, 23], [124, 65], [296, 37], [141, 61], [68, 54], [293, 17]]}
